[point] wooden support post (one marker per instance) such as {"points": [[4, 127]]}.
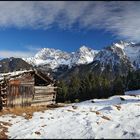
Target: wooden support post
{"points": [[1, 105], [3, 94]]}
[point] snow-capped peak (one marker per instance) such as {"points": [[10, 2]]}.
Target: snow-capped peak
{"points": [[46, 53], [54, 57], [131, 50], [84, 48], [122, 44], [84, 55]]}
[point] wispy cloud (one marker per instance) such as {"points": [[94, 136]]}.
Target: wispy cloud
{"points": [[122, 18], [17, 54], [33, 48], [30, 50]]}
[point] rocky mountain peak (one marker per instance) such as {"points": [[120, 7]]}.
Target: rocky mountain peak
{"points": [[54, 58]]}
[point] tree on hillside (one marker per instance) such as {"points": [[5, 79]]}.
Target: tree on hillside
{"points": [[133, 80], [74, 86], [106, 87], [118, 86], [62, 91]]}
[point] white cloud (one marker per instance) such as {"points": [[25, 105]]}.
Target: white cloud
{"points": [[30, 50], [123, 18], [17, 54]]}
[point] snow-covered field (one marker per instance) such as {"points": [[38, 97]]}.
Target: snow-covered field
{"points": [[99, 118]]}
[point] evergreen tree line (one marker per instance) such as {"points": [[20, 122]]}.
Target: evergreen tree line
{"points": [[92, 86]]}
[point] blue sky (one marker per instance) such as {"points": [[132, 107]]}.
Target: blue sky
{"points": [[66, 40], [26, 27]]}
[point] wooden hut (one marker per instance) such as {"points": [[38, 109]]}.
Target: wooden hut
{"points": [[26, 88]]}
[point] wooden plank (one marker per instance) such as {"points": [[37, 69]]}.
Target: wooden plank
{"points": [[44, 86], [44, 93], [14, 82], [43, 101], [45, 98], [44, 90], [47, 90], [27, 83]]}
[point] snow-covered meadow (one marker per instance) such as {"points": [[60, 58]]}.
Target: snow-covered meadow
{"points": [[116, 117]]}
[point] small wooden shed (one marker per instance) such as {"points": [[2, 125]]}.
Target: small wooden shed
{"points": [[26, 88]]}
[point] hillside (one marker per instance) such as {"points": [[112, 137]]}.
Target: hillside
{"points": [[13, 64]]}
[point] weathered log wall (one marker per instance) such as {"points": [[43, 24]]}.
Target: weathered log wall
{"points": [[20, 95], [20, 91], [44, 95]]}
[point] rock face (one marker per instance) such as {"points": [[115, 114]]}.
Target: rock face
{"points": [[115, 59], [131, 50]]}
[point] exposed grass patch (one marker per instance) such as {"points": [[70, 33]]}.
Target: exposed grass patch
{"points": [[4, 129], [118, 107], [106, 118], [38, 133], [70, 110], [56, 105], [97, 112], [28, 111]]}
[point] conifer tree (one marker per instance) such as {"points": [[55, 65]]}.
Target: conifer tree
{"points": [[74, 86], [118, 87], [62, 91]]}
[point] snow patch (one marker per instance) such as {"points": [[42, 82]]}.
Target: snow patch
{"points": [[103, 118]]}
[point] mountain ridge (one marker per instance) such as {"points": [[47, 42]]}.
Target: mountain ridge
{"points": [[55, 57], [119, 57]]}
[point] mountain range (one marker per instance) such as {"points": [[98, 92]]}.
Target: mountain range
{"points": [[118, 58], [85, 55], [54, 58]]}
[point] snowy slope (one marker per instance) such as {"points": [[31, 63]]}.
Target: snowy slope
{"points": [[54, 57], [114, 60], [101, 118], [131, 50], [120, 55], [51, 57], [83, 56]]}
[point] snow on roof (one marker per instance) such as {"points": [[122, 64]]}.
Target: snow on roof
{"points": [[15, 73], [18, 73]]}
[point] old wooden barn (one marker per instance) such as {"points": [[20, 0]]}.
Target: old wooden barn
{"points": [[26, 88]]}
